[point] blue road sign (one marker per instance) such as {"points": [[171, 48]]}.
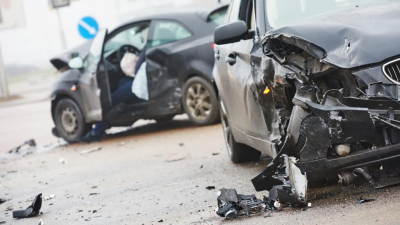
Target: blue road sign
{"points": [[88, 27]]}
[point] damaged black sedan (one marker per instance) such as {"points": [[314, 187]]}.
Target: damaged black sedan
{"points": [[313, 84]]}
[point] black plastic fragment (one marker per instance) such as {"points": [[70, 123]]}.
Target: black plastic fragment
{"points": [[30, 143], [2, 200], [232, 205], [210, 187], [31, 211], [362, 200]]}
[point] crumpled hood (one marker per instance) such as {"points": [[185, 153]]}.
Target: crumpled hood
{"points": [[351, 38], [61, 61]]}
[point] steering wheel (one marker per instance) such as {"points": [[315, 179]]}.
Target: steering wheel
{"points": [[127, 48]]}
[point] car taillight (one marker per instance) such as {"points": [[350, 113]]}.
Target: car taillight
{"points": [[213, 45]]}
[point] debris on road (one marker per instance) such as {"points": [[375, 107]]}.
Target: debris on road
{"points": [[362, 200], [160, 221], [201, 167], [178, 159], [181, 144], [284, 181], [29, 143], [232, 205], [210, 187], [2, 200], [93, 193], [3, 222], [62, 161], [31, 211], [41, 222], [215, 154], [85, 152]]}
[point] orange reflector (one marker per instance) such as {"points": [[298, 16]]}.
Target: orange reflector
{"points": [[267, 91], [73, 88]]}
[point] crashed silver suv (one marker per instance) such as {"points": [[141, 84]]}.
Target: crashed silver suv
{"points": [[313, 84]]}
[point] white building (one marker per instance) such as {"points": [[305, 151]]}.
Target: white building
{"points": [[30, 34]]}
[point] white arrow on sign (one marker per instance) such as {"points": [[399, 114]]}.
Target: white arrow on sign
{"points": [[87, 27]]}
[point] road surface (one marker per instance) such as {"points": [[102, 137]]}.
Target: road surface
{"points": [[152, 173]]}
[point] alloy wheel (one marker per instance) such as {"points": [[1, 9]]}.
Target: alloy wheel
{"points": [[198, 101]]}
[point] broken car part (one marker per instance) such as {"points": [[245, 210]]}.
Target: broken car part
{"points": [[284, 181], [29, 143], [31, 211], [232, 205]]}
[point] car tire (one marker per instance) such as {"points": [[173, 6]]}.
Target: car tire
{"points": [[200, 101], [69, 120], [237, 152]]}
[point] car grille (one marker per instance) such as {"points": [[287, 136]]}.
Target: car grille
{"points": [[392, 70]]}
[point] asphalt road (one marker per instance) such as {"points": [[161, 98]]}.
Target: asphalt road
{"points": [[152, 173]]}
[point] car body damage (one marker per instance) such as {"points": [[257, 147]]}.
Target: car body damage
{"points": [[336, 109], [326, 85]]}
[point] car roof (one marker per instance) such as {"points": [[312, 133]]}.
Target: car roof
{"points": [[201, 10]]}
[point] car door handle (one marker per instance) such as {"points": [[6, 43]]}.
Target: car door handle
{"points": [[231, 59], [217, 56]]}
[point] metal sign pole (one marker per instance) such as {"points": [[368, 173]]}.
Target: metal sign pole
{"points": [[3, 81], [62, 36]]}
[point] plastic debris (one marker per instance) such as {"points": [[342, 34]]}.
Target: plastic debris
{"points": [[85, 152], [215, 154], [2, 200], [362, 200], [29, 143], [232, 205], [62, 161], [210, 187], [31, 211]]}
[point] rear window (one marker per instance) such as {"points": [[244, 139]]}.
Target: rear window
{"points": [[218, 16]]}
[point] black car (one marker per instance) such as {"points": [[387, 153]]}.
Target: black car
{"points": [[179, 60], [313, 84]]}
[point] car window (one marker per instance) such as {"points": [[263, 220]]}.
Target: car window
{"points": [[95, 51], [135, 36], [167, 32], [234, 9], [218, 16]]}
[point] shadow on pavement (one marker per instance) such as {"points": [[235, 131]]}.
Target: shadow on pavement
{"points": [[152, 128]]}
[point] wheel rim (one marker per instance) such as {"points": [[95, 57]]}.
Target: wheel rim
{"points": [[69, 121], [226, 129], [198, 101]]}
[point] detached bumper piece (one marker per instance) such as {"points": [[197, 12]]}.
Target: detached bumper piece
{"points": [[285, 182]]}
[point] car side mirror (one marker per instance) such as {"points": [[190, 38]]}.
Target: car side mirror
{"points": [[231, 33], [76, 63]]}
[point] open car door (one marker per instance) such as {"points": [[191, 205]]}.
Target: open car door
{"points": [[94, 81]]}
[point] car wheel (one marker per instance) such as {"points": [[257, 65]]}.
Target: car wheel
{"points": [[69, 120], [237, 152], [200, 101]]}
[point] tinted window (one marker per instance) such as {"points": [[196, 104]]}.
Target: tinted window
{"points": [[168, 32], [135, 36], [95, 51], [218, 17]]}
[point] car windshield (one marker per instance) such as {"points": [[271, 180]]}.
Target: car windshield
{"points": [[282, 13]]}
